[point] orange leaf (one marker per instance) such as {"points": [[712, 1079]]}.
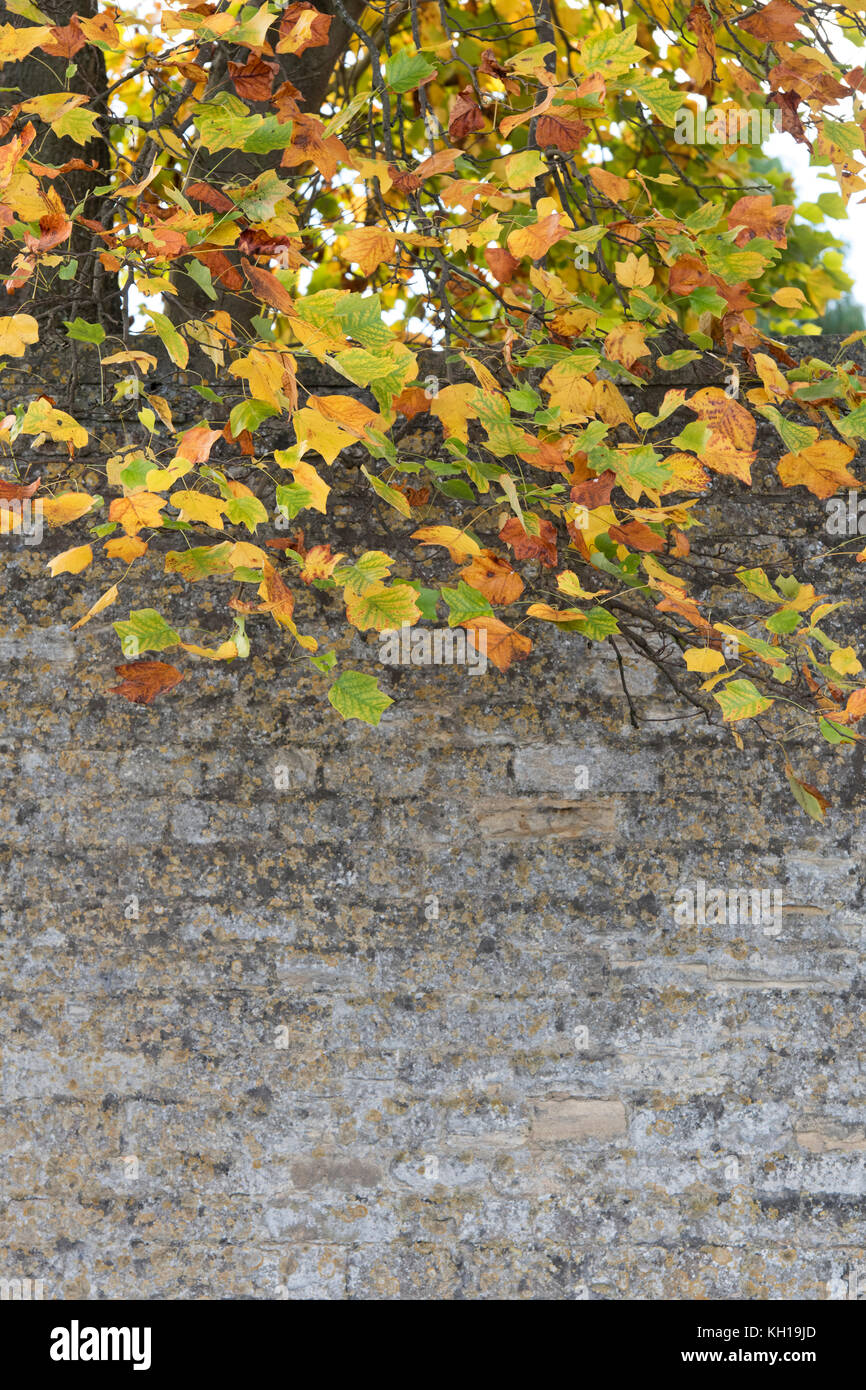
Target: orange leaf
{"points": [[493, 577], [821, 467], [144, 680], [498, 641], [369, 247]]}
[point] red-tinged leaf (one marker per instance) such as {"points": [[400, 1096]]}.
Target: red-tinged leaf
{"points": [[760, 217], [66, 40], [268, 288], [465, 116], [637, 536], [17, 491], [301, 27], [595, 492], [54, 228], [142, 681], [528, 547], [776, 21], [195, 444], [254, 79], [205, 193], [502, 263]]}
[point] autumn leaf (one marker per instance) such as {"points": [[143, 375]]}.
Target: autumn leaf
{"points": [[105, 601], [499, 642], [136, 512], [465, 116], [382, 607], [493, 577], [126, 548], [369, 247], [68, 506], [302, 26], [142, 681], [531, 547], [821, 467], [17, 491], [732, 432], [459, 545], [17, 334], [71, 561]]}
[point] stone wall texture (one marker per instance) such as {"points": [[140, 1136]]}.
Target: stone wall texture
{"points": [[419, 1021]]}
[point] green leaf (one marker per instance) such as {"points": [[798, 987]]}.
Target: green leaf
{"points": [[811, 800], [79, 125], [597, 625], [794, 437], [292, 498], [407, 70], [388, 494], [199, 272], [200, 562], [355, 695], [135, 473], [662, 99], [853, 425], [248, 415], [741, 699], [371, 568], [174, 344], [145, 631], [246, 511], [785, 621], [464, 603], [674, 360], [80, 331], [835, 733]]}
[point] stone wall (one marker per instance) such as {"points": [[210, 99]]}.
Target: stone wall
{"points": [[242, 1055]]}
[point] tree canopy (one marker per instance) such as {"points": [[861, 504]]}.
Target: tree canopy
{"points": [[506, 219]]}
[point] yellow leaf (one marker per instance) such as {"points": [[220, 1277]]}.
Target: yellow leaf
{"points": [[453, 406], [369, 247], [226, 651], [160, 479], [704, 659], [821, 467], [569, 584], [634, 272], [107, 598], [553, 615], [306, 475], [324, 436], [15, 44], [44, 418], [264, 373], [789, 297], [126, 548], [133, 513], [845, 661], [145, 360], [16, 334], [244, 554], [69, 506], [71, 561], [197, 506], [459, 546]]}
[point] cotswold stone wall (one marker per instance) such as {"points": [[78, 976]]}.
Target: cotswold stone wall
{"points": [[419, 1021]]}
